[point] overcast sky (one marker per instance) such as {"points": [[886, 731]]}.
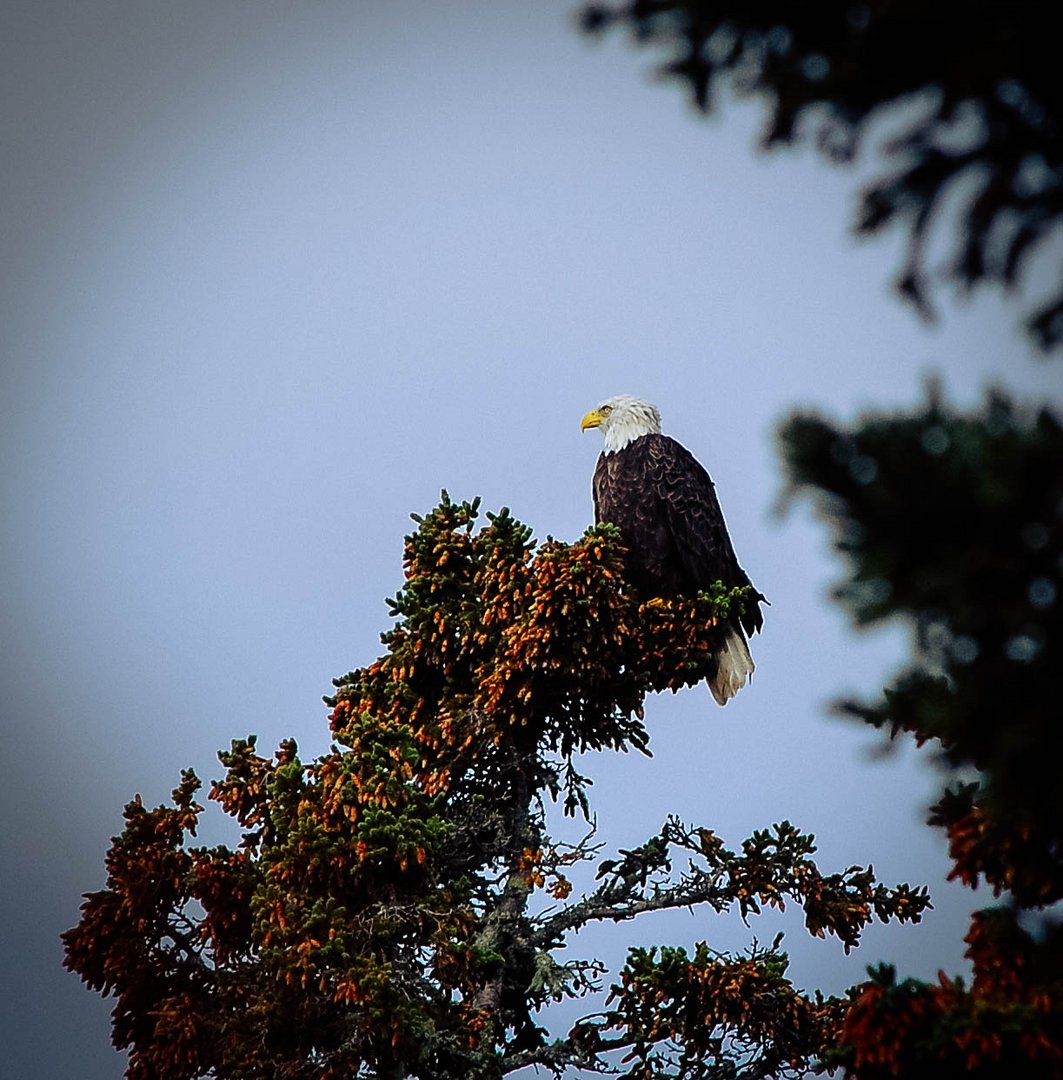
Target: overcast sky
{"points": [[274, 275]]}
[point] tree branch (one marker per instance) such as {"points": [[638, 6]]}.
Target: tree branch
{"points": [[605, 904]]}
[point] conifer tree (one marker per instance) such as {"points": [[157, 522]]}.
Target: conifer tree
{"points": [[954, 524], [396, 907]]}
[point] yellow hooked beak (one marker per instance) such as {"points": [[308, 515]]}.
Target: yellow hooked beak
{"points": [[593, 419]]}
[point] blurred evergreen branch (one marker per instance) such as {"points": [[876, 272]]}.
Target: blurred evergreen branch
{"points": [[978, 85]]}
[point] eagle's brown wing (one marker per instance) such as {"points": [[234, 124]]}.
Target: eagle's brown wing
{"points": [[686, 498]]}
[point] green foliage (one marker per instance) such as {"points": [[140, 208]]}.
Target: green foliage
{"points": [[978, 85], [715, 1015], [1006, 1023], [395, 907], [953, 523]]}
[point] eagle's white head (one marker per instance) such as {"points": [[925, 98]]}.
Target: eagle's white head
{"points": [[623, 419]]}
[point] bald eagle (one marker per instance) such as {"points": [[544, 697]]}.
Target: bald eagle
{"points": [[665, 506]]}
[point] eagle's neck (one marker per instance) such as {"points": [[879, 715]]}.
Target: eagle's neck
{"points": [[622, 431]]}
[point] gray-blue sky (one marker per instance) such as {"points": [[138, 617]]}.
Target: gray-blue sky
{"points": [[273, 275]]}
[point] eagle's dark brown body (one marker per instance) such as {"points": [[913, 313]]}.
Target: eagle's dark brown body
{"points": [[665, 505]]}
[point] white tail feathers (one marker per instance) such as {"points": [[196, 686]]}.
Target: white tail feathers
{"points": [[735, 667]]}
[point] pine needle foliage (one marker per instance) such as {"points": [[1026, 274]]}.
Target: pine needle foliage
{"points": [[396, 908], [952, 522], [974, 104]]}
